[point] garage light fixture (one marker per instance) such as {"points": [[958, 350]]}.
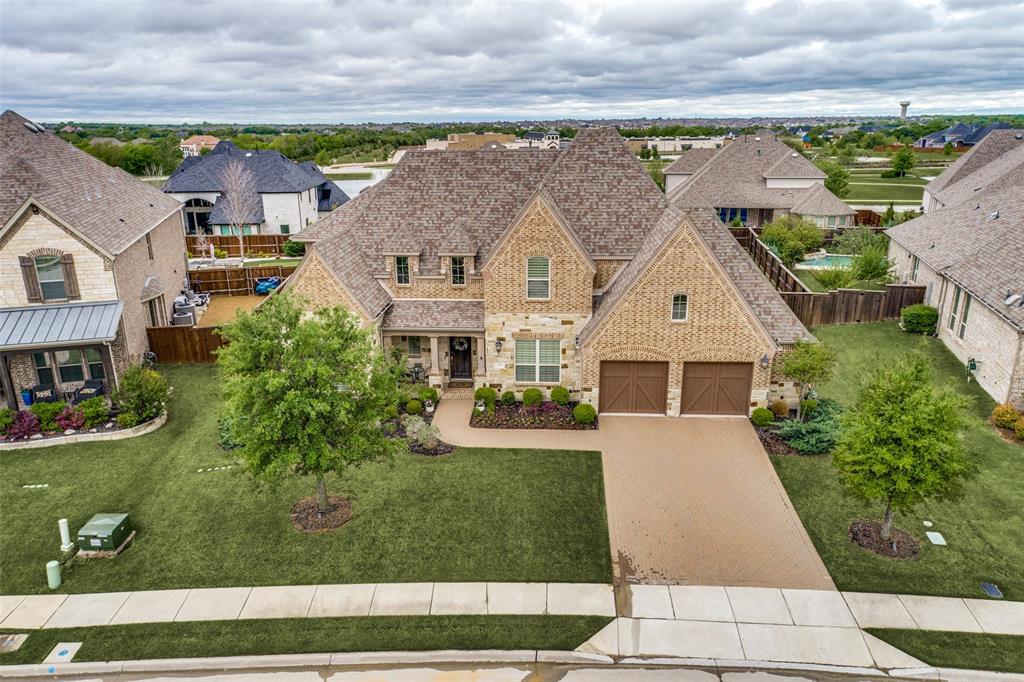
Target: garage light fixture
{"points": [[765, 361]]}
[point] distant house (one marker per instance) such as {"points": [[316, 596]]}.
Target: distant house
{"points": [[292, 195], [470, 141], [194, 146], [547, 140], [756, 179], [967, 250], [89, 257], [108, 140], [959, 135]]}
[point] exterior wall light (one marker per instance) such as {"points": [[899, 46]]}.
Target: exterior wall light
{"points": [[497, 345], [765, 361]]}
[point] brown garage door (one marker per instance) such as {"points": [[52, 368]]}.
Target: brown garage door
{"points": [[634, 387], [717, 387]]}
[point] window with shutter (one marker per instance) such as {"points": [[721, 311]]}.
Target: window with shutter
{"points": [[50, 276], [538, 277], [28, 274], [67, 262]]}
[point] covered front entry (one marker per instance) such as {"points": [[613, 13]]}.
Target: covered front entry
{"points": [[634, 387], [719, 388], [460, 357]]}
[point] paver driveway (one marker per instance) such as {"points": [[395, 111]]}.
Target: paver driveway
{"points": [[691, 501]]}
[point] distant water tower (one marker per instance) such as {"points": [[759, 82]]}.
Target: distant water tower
{"points": [[903, 110]]}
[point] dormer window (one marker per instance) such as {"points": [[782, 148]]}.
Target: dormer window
{"points": [[458, 270], [538, 278], [402, 269]]}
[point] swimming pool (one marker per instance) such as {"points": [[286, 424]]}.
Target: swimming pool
{"points": [[828, 260]]}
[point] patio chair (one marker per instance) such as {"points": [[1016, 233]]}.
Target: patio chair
{"points": [[90, 389], [45, 393]]}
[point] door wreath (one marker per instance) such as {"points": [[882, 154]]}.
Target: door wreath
{"points": [[460, 343]]}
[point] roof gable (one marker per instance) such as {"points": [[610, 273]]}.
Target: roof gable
{"points": [[544, 200]]}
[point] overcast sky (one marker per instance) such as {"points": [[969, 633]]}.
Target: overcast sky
{"points": [[240, 61]]}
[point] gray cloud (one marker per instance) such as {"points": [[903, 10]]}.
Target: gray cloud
{"points": [[358, 61]]}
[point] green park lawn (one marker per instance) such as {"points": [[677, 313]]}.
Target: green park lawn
{"points": [[264, 262], [474, 515], [362, 175], [876, 178], [883, 192], [984, 529]]}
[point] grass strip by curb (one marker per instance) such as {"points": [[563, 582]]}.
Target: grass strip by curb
{"points": [[1002, 653], [311, 635]]}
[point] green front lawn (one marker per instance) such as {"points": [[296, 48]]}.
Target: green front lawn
{"points": [[1004, 653], [311, 635], [475, 515], [985, 530]]}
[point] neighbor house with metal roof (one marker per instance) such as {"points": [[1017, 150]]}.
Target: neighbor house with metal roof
{"points": [[754, 179], [565, 267], [291, 196], [89, 257]]}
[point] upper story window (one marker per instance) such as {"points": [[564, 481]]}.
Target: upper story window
{"points": [[538, 277], [50, 274], [458, 270], [402, 269], [727, 215], [680, 307]]}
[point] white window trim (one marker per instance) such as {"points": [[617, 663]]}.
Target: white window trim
{"points": [[536, 364], [672, 308], [537, 279]]}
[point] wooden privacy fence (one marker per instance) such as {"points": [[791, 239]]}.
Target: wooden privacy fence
{"points": [[846, 306], [255, 244], [234, 281], [778, 274], [184, 344]]}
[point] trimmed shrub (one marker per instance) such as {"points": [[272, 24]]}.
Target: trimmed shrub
{"points": [[508, 398], [889, 173], [427, 436], [560, 395], [427, 393], [95, 412], [6, 419], [70, 417], [391, 412], [584, 414], [780, 408], [25, 424], [47, 415], [762, 417], [414, 406], [127, 420], [817, 435], [532, 397], [1018, 429], [919, 319], [1005, 416], [293, 249], [834, 278], [488, 395], [143, 393]]}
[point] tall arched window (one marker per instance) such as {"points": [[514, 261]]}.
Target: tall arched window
{"points": [[197, 216], [538, 277]]}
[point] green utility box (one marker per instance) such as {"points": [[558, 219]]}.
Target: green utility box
{"points": [[104, 532]]}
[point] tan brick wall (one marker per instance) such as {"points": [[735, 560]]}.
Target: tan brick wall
{"points": [[606, 269], [436, 287], [131, 269], [93, 271], [1017, 383], [537, 233], [317, 284], [719, 328], [902, 261]]}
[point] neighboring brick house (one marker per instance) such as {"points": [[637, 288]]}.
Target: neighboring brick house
{"points": [[568, 267], [89, 257], [756, 179], [292, 195]]}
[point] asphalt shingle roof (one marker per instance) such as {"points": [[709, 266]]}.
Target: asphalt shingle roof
{"points": [[691, 161], [271, 171], [107, 205], [819, 201], [1002, 165], [407, 313]]}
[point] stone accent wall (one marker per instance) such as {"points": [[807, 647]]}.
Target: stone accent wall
{"points": [[606, 269], [507, 327], [317, 284], [131, 269], [32, 231], [719, 327]]}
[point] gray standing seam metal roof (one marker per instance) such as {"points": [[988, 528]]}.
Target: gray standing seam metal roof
{"points": [[52, 325]]}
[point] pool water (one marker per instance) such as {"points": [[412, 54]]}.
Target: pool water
{"points": [[829, 260]]}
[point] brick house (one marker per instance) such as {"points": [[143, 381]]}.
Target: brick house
{"points": [[567, 267], [755, 178], [89, 257]]}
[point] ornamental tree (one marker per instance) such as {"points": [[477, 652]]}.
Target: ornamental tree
{"points": [[838, 178], [305, 392], [903, 161], [900, 442], [810, 364]]}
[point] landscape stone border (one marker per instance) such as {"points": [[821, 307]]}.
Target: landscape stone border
{"points": [[86, 437]]}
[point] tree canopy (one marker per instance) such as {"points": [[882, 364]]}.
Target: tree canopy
{"points": [[838, 178], [903, 161], [810, 364]]}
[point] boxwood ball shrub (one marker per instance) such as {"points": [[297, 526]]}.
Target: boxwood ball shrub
{"points": [[142, 394], [391, 412], [762, 417], [780, 408], [427, 393], [919, 318], [584, 413], [47, 415], [508, 398], [532, 397], [94, 412], [1004, 416], [414, 406], [560, 395]]}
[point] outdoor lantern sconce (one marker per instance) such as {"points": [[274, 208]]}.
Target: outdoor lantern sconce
{"points": [[497, 345], [765, 361]]}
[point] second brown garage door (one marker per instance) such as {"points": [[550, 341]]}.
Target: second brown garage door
{"points": [[717, 387], [639, 387]]}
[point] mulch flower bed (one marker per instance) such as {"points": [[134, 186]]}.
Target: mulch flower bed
{"points": [[868, 534], [441, 449], [306, 519], [547, 416], [773, 443]]}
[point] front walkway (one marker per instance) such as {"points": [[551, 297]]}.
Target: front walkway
{"points": [[691, 501]]}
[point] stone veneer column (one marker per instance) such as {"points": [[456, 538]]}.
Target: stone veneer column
{"points": [[481, 364], [435, 364]]}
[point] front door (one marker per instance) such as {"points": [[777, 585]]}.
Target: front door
{"points": [[460, 350]]}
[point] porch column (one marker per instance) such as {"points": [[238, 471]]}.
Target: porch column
{"points": [[7, 383], [481, 365], [435, 364], [108, 367]]}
